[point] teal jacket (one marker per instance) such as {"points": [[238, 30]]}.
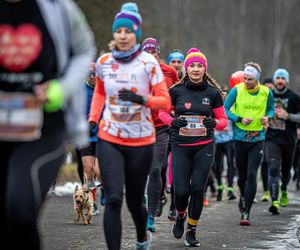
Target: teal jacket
{"points": [[243, 135]]}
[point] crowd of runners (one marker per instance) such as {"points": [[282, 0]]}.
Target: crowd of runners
{"points": [[154, 127]]}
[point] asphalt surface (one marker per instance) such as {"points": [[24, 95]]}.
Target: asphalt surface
{"points": [[218, 229]]}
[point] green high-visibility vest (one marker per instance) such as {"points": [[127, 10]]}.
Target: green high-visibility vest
{"points": [[251, 106]]}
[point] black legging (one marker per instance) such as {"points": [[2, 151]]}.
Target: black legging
{"points": [[129, 166], [248, 156], [155, 180], [27, 172], [221, 150], [79, 165], [264, 171], [280, 158], [191, 167]]}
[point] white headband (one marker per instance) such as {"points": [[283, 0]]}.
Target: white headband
{"points": [[251, 71]]}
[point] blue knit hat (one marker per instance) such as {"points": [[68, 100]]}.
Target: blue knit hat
{"points": [[176, 55], [281, 73], [130, 18]]}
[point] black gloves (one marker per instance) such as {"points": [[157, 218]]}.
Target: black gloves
{"points": [[209, 122], [92, 128], [179, 122], [127, 95]]}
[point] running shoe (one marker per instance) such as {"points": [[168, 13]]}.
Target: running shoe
{"points": [[190, 239], [220, 192], [102, 197], [95, 209], [274, 208], [242, 204], [151, 223], [146, 244], [205, 201], [172, 215], [284, 199], [160, 205], [245, 219], [265, 197], [178, 227], [230, 194]]}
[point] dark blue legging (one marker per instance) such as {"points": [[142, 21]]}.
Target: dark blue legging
{"points": [[129, 166], [191, 166]]}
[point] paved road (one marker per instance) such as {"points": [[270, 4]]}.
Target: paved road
{"points": [[219, 228]]}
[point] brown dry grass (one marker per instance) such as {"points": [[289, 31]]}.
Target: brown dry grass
{"points": [[68, 172]]}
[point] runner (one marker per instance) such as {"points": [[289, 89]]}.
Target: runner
{"points": [[249, 106], [281, 139], [176, 59], [156, 196], [224, 147], [38, 77], [88, 154], [129, 82], [195, 99]]}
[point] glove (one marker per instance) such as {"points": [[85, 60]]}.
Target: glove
{"points": [[127, 95], [55, 97], [179, 122], [209, 122], [92, 128]]}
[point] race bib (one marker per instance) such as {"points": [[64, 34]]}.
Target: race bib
{"points": [[21, 117], [124, 111], [194, 127]]}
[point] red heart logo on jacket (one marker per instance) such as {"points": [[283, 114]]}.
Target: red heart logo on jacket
{"points": [[20, 46], [187, 105]]}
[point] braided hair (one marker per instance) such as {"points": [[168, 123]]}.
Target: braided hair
{"points": [[212, 82]]}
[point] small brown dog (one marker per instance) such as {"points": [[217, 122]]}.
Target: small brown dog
{"points": [[83, 204]]}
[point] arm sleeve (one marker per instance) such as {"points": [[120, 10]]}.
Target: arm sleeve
{"points": [[270, 106], [229, 102], [98, 101], [296, 116], [165, 116], [221, 117], [83, 51]]}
